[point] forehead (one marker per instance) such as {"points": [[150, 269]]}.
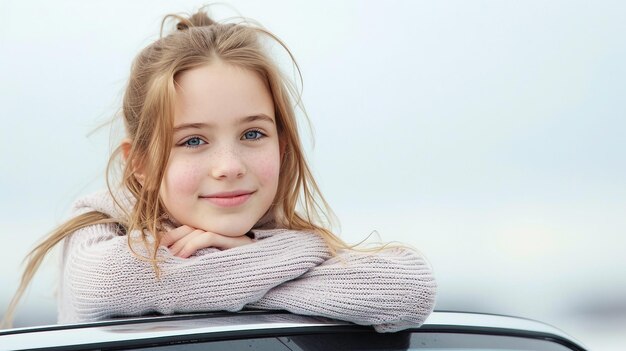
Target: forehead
{"points": [[220, 92]]}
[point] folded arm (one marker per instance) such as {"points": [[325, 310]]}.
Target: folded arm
{"points": [[102, 278], [392, 290]]}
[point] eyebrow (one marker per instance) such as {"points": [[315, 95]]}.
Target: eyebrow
{"points": [[244, 120]]}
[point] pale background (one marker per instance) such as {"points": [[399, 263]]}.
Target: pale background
{"points": [[488, 134]]}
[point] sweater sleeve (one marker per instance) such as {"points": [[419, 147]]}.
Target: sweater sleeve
{"points": [[102, 278], [392, 290]]}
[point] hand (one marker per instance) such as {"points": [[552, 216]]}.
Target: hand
{"points": [[184, 241]]}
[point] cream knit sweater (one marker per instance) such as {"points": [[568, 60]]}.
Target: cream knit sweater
{"points": [[283, 269]]}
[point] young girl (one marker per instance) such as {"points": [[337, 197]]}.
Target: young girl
{"points": [[206, 215]]}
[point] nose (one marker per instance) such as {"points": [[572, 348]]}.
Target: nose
{"points": [[227, 163]]}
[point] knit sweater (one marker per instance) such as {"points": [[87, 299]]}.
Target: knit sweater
{"points": [[282, 269]]}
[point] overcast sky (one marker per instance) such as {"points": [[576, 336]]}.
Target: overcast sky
{"points": [[488, 134]]}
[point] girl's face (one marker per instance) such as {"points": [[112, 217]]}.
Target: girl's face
{"points": [[222, 174]]}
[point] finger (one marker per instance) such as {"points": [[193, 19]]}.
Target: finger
{"points": [[176, 247], [167, 239], [226, 242], [198, 241]]}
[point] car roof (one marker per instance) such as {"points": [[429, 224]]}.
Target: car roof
{"points": [[257, 323]]}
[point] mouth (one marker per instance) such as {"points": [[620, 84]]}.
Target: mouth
{"points": [[229, 198]]}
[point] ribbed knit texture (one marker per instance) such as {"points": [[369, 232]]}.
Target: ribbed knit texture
{"points": [[283, 269]]}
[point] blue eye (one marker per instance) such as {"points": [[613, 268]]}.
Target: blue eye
{"points": [[193, 142], [253, 135]]}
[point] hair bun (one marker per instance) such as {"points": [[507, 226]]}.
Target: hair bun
{"points": [[198, 19]]}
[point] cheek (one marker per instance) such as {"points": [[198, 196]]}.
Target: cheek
{"points": [[268, 169], [183, 177]]}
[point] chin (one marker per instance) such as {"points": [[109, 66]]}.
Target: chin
{"points": [[232, 233], [229, 230]]}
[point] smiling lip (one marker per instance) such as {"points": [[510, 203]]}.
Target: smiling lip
{"points": [[229, 198]]}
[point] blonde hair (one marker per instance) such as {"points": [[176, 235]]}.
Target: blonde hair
{"points": [[148, 112]]}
